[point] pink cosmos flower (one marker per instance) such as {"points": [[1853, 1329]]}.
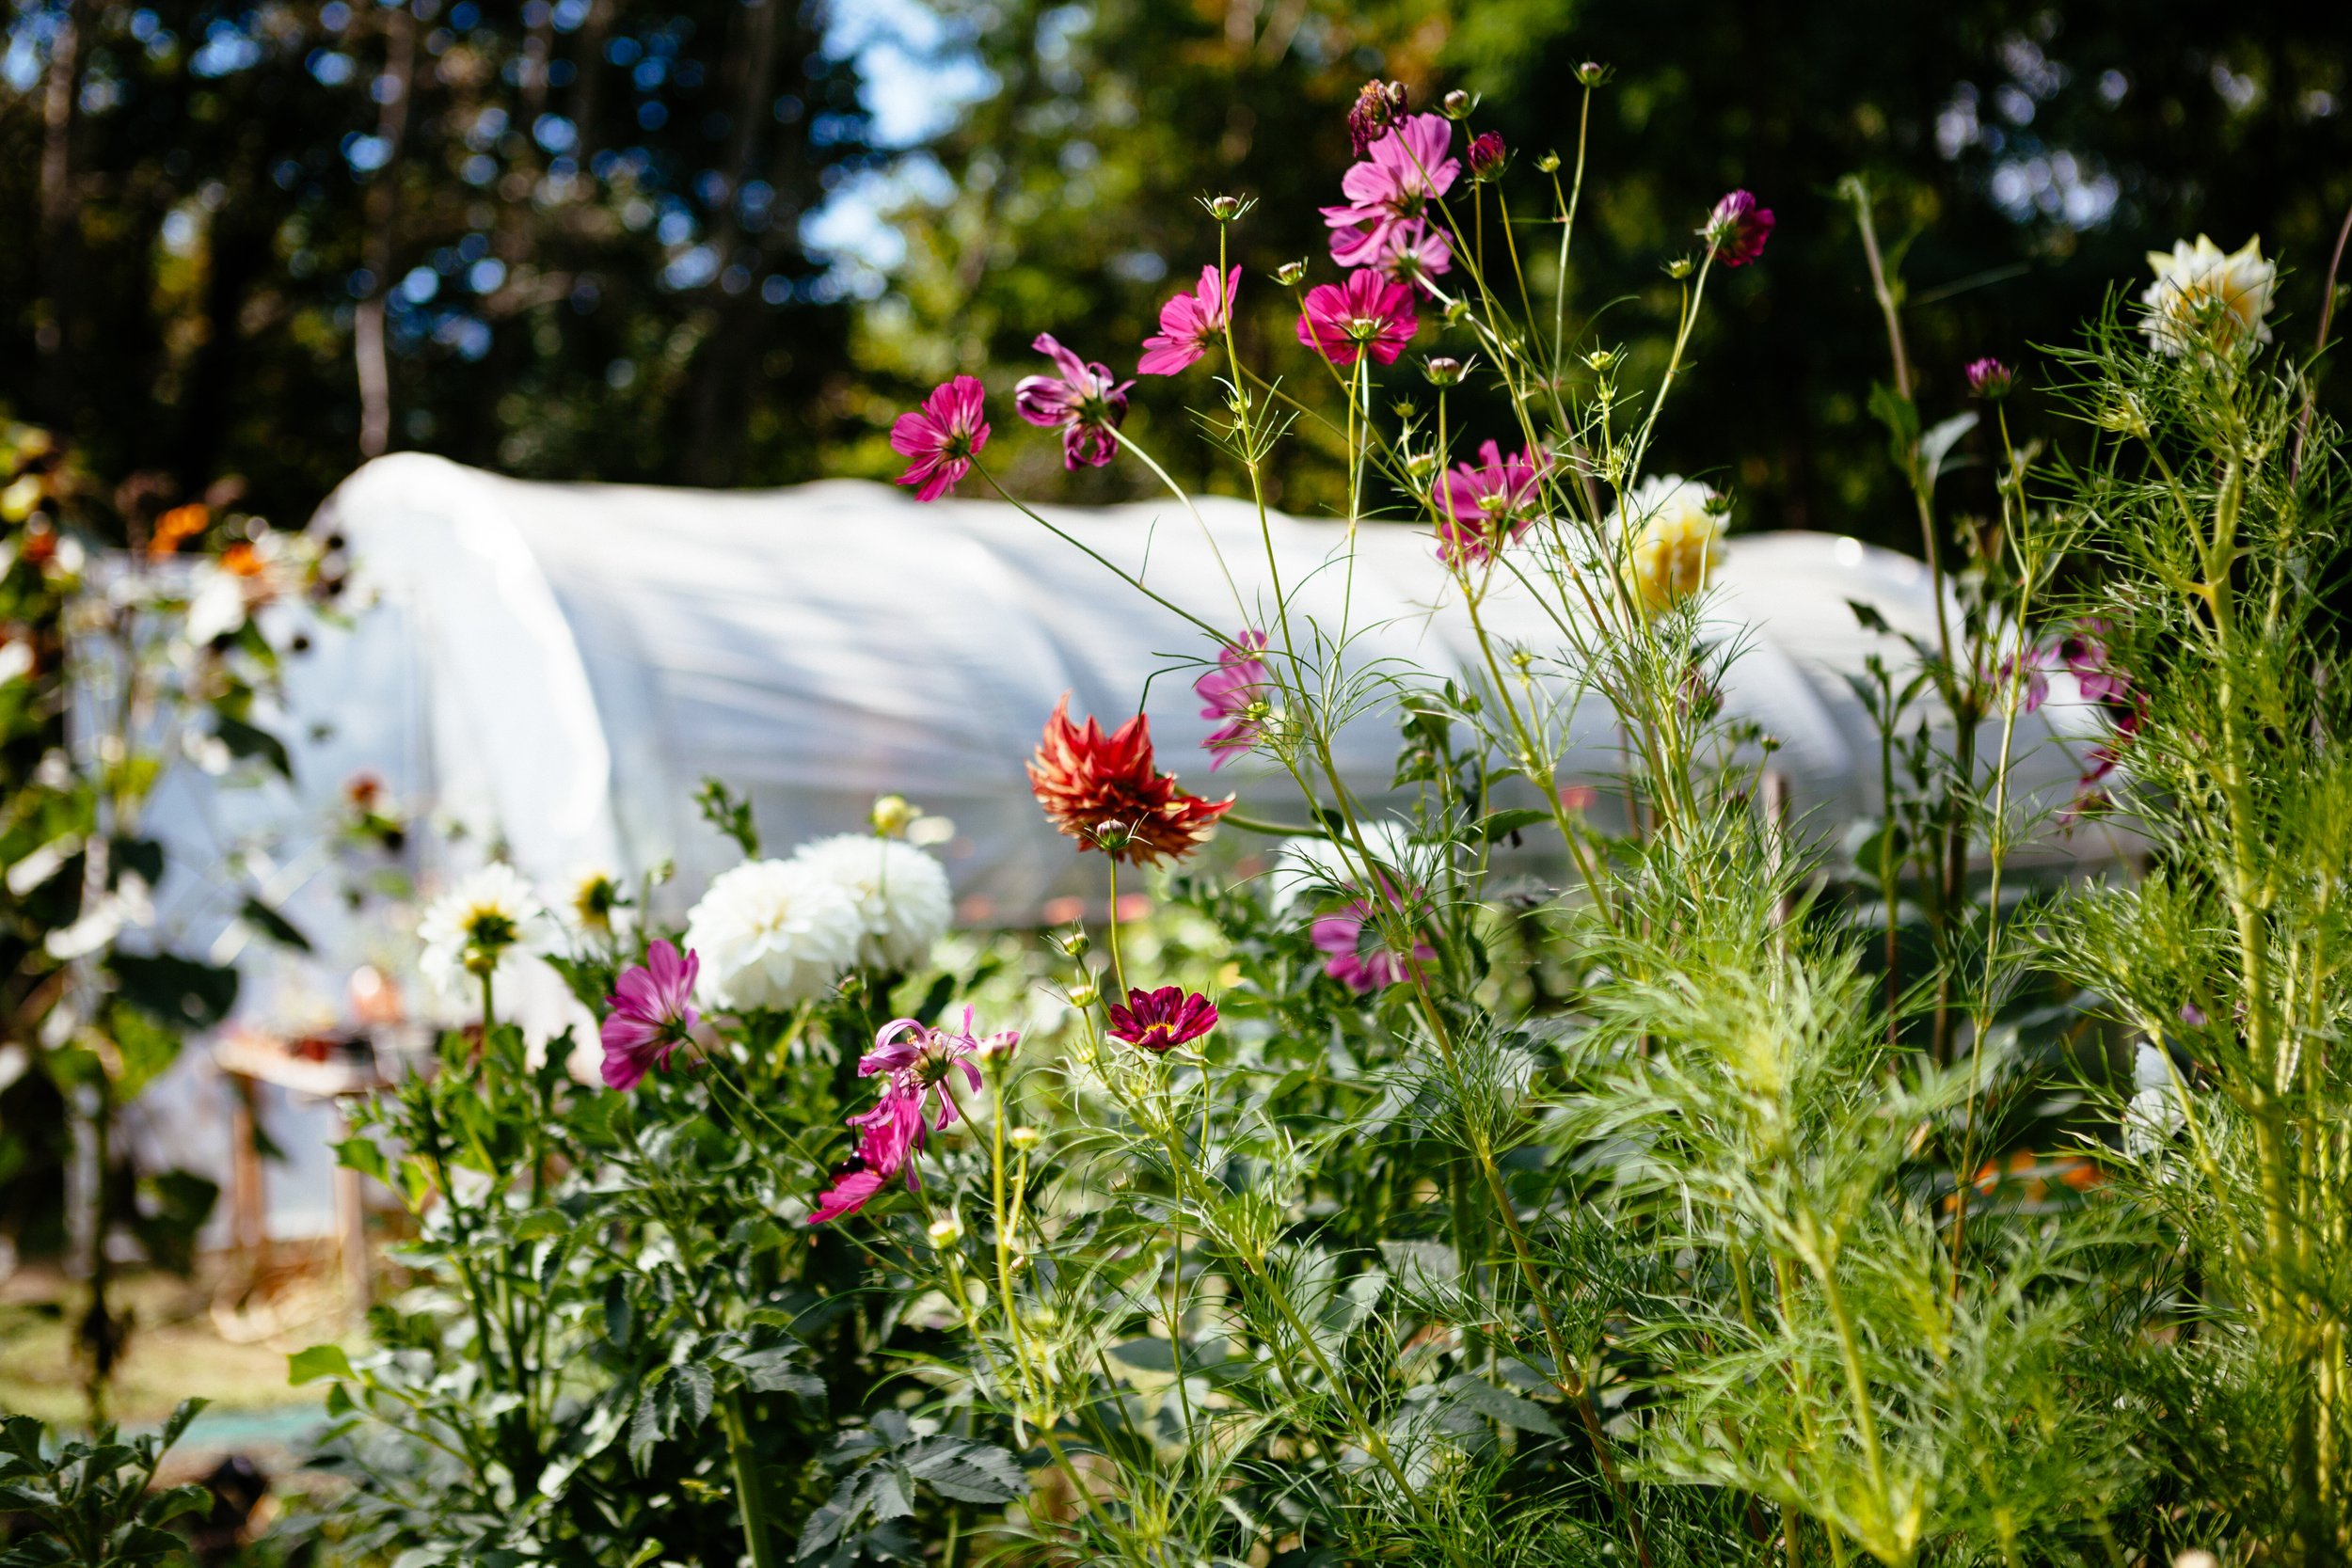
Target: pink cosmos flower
{"points": [[1356, 956], [917, 1062], [1367, 314], [1737, 229], [1487, 505], [1232, 690], [1402, 172], [1156, 1021], [941, 437], [1082, 400], [1417, 251], [2084, 652], [1189, 324], [649, 1014]]}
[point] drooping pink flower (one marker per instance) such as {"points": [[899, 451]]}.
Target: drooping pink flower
{"points": [[1190, 324], [1366, 315], [2084, 652], [1231, 691], [941, 437], [1989, 379], [1356, 956], [1157, 1020], [915, 1062], [1405, 168], [1488, 504], [1083, 401], [2030, 670], [648, 1015], [1378, 105], [1737, 229]]}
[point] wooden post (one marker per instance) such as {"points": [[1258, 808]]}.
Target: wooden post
{"points": [[248, 1210]]}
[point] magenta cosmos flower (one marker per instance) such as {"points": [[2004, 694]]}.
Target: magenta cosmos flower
{"points": [[1189, 324], [1367, 314], [1231, 691], [916, 1061], [2084, 652], [1355, 955], [1083, 401], [1403, 172], [1487, 505], [1158, 1021], [648, 1015], [941, 437], [1737, 229]]}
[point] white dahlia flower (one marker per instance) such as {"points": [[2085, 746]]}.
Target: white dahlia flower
{"points": [[2203, 295], [488, 923], [900, 893], [1678, 547], [772, 934]]}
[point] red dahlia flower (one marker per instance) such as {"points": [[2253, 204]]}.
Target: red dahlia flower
{"points": [[1367, 314], [1106, 792], [1159, 1020], [941, 437]]}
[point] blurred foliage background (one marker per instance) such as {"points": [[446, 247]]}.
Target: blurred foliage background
{"points": [[722, 242]]}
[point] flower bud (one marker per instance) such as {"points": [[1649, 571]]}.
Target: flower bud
{"points": [[1227, 209], [945, 1232], [1547, 162], [1022, 1137], [1990, 380], [1457, 105], [1441, 370], [1085, 994], [1488, 155], [1076, 943], [892, 815], [1456, 312], [1421, 465], [1679, 268], [1592, 73], [1600, 358], [1289, 273]]}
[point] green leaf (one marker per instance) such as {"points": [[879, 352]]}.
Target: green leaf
{"points": [[309, 1366], [1494, 1404], [272, 924], [363, 1154], [250, 740], [1147, 1355], [1503, 824], [175, 989]]}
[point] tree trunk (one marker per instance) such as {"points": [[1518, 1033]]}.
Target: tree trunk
{"points": [[715, 438], [61, 222], [383, 211]]}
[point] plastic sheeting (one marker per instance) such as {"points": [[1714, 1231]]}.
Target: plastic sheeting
{"points": [[587, 653]]}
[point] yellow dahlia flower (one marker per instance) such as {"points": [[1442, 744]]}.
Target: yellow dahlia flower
{"points": [[1677, 541]]}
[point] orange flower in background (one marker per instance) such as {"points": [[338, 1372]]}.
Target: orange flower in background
{"points": [[178, 526], [242, 559], [1106, 791]]}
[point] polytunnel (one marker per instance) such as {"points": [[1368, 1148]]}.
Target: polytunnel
{"points": [[547, 671]]}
